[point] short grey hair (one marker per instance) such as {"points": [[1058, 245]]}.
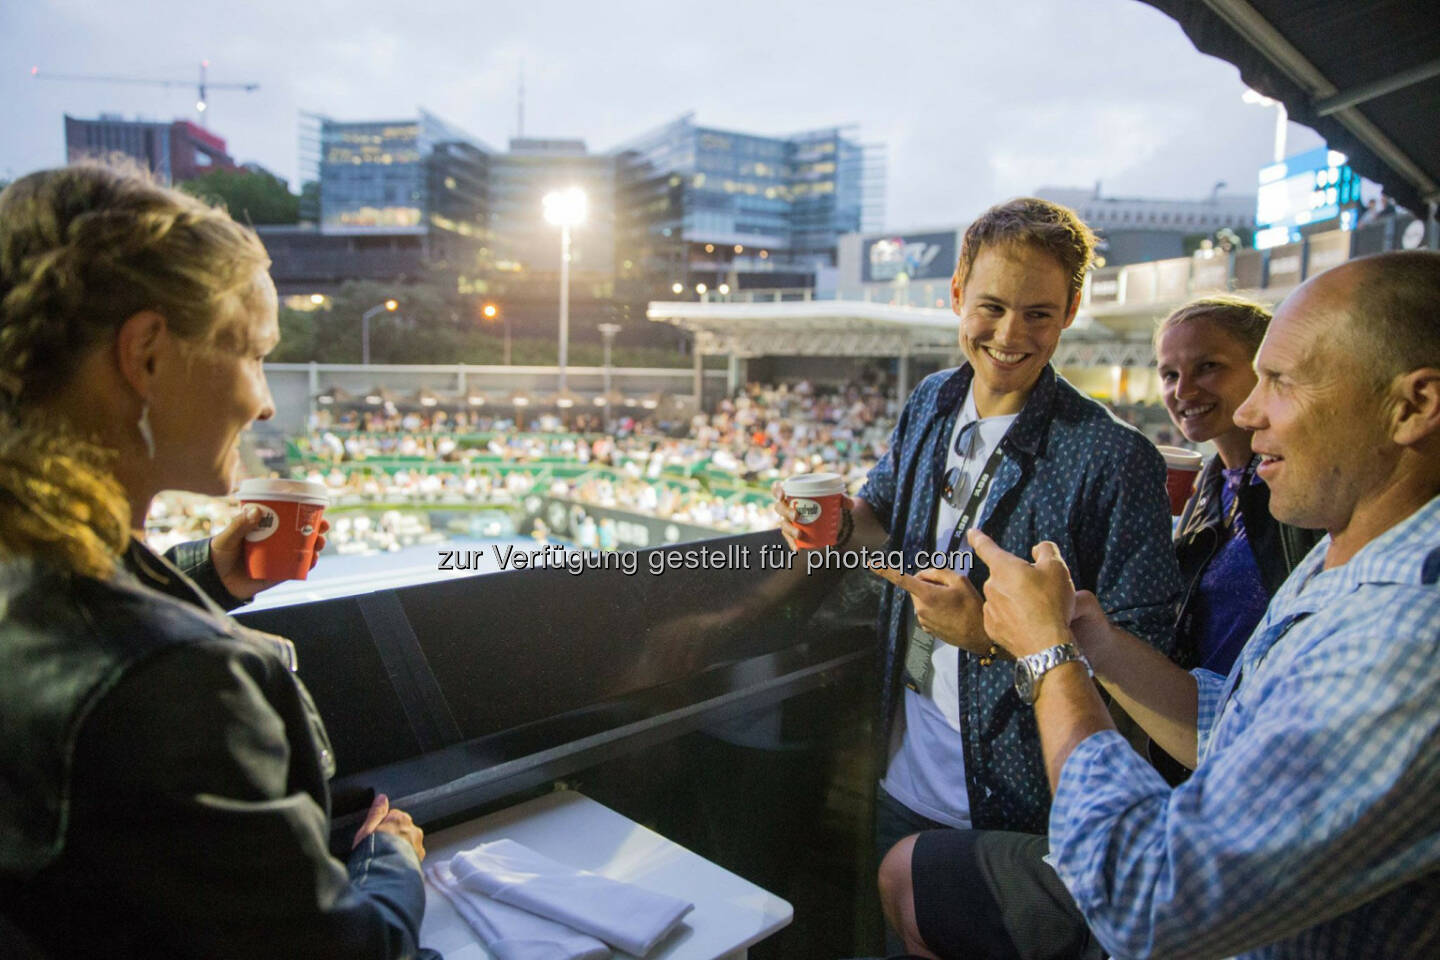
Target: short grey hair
{"points": [[1394, 313]]}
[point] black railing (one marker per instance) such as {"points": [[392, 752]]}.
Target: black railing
{"points": [[729, 708], [448, 696]]}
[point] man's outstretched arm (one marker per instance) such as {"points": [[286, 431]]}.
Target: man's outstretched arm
{"points": [[1321, 804], [1161, 697]]}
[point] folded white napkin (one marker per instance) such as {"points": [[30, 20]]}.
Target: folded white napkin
{"points": [[621, 914], [509, 932]]}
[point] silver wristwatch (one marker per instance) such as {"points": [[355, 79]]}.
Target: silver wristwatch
{"points": [[1029, 670]]}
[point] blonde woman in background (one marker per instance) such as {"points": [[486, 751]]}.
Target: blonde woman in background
{"points": [[1233, 554]]}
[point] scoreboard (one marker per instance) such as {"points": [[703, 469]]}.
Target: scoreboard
{"points": [[1313, 188]]}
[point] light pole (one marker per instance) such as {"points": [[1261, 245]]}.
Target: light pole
{"points": [[1281, 118], [388, 306], [565, 209], [608, 331], [490, 311]]}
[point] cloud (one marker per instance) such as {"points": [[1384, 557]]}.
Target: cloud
{"points": [[975, 101]]}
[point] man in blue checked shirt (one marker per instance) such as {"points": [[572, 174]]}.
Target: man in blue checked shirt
{"points": [[1311, 825]]}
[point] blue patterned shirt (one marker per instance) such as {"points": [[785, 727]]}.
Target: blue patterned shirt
{"points": [[1072, 473], [1312, 826]]}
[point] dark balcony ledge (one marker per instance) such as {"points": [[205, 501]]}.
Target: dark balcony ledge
{"points": [[450, 695], [455, 779]]}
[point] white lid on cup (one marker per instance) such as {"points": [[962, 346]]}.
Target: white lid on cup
{"points": [[304, 491], [1178, 458], [814, 485]]}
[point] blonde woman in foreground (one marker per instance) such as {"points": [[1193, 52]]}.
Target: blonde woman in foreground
{"points": [[163, 772]]}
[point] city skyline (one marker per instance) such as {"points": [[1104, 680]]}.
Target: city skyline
{"points": [[973, 103]]}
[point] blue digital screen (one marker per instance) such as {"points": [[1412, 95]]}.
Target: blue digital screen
{"points": [[1309, 188]]}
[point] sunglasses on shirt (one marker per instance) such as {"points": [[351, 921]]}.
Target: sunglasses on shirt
{"points": [[957, 479]]}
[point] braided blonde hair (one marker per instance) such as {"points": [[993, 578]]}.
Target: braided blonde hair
{"points": [[59, 502], [82, 249]]}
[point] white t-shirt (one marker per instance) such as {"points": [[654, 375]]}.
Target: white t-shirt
{"points": [[927, 754]]}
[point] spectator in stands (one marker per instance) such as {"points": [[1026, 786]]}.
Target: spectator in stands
{"points": [[1311, 824], [164, 788], [1003, 437], [1371, 214]]}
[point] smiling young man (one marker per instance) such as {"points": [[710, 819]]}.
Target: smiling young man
{"points": [[1311, 824], [1005, 444]]}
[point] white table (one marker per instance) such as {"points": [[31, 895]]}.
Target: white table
{"points": [[730, 913]]}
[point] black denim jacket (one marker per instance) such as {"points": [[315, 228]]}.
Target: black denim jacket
{"points": [[163, 781]]}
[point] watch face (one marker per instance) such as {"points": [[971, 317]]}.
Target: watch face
{"points": [[1024, 682]]}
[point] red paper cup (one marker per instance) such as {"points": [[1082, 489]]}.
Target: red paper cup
{"points": [[816, 498], [1181, 468], [283, 546]]}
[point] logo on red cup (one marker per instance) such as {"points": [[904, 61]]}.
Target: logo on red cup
{"points": [[267, 525], [816, 499], [806, 511], [282, 545]]}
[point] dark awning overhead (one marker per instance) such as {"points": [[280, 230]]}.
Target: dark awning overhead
{"points": [[1364, 74]]}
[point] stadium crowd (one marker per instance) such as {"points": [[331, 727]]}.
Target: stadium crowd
{"points": [[762, 434], [646, 465]]}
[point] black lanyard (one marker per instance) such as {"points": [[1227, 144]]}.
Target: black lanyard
{"points": [[1246, 478], [977, 497]]}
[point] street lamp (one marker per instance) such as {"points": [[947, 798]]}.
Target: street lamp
{"points": [[1281, 118], [490, 311], [389, 306], [565, 209], [608, 331]]}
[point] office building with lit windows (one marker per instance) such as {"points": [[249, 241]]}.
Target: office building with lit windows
{"points": [[418, 177], [399, 174], [679, 207], [397, 199], [700, 205]]}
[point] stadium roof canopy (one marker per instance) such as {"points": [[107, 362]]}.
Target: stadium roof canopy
{"points": [[853, 328], [811, 328], [1365, 76]]}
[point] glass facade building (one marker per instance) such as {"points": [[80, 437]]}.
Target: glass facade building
{"points": [[719, 206], [371, 175], [683, 204], [400, 174]]}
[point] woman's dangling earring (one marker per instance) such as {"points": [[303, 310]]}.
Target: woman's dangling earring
{"points": [[146, 433]]}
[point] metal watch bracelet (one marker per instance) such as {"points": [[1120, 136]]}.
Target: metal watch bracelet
{"points": [[1030, 669]]}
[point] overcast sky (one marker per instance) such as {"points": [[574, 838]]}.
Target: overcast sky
{"points": [[974, 101]]}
